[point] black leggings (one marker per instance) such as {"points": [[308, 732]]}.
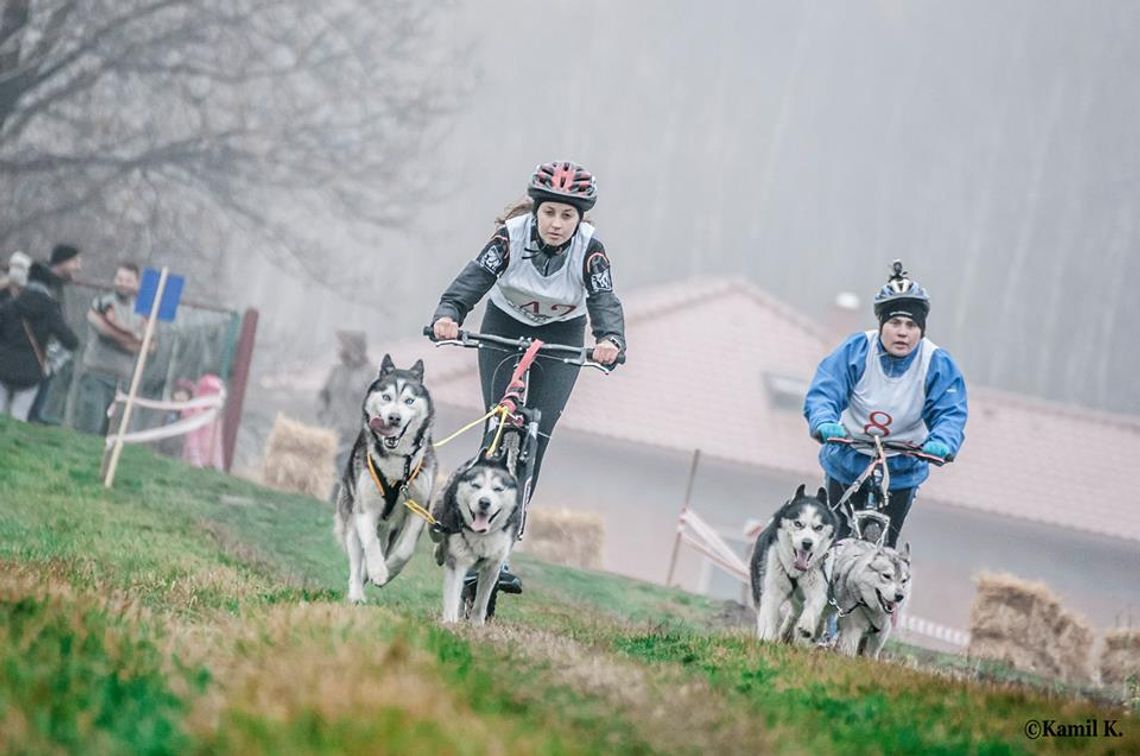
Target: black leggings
{"points": [[550, 382], [898, 505]]}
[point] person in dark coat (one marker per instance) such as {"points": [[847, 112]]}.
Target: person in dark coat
{"points": [[57, 275], [27, 322]]}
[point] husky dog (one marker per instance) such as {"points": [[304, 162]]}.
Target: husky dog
{"points": [[479, 514], [787, 568], [392, 460], [869, 583]]}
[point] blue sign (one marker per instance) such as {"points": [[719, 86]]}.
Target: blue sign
{"points": [[170, 295]]}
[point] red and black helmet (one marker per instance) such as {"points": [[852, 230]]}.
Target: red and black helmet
{"points": [[563, 181]]}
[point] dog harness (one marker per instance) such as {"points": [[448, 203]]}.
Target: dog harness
{"points": [[392, 495], [841, 612]]}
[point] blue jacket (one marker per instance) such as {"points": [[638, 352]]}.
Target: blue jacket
{"points": [[944, 410]]}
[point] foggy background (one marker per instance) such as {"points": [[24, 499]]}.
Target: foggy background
{"points": [[336, 165]]}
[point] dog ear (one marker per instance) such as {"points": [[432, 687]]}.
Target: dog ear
{"points": [[905, 553], [417, 371], [386, 366], [821, 495], [799, 492]]}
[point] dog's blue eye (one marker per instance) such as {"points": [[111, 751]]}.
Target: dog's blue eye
{"points": [[386, 397], [409, 401], [798, 524]]}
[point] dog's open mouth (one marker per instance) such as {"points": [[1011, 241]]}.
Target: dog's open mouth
{"points": [[390, 435], [480, 522], [888, 606], [803, 560]]}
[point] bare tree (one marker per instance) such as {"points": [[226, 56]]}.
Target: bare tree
{"points": [[180, 125]]}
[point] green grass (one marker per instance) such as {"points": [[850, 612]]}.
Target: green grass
{"points": [[80, 678], [186, 611]]}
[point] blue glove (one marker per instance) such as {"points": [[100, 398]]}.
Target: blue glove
{"points": [[827, 431], [936, 449]]}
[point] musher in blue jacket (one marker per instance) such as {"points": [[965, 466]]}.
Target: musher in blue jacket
{"points": [[895, 382]]}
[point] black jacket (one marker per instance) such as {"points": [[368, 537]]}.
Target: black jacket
{"points": [[36, 306]]}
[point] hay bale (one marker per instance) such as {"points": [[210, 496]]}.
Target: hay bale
{"points": [[1075, 640], [566, 537], [300, 458], [1120, 659], [1023, 624]]}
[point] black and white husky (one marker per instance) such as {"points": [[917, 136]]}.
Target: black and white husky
{"points": [[392, 460], [479, 514], [788, 568], [870, 584]]}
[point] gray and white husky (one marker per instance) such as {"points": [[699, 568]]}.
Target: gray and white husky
{"points": [[479, 514], [787, 568], [870, 583], [377, 531]]}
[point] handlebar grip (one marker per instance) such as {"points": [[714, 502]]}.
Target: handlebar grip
{"points": [[429, 331], [619, 361]]}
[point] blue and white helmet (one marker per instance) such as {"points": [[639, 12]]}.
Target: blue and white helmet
{"points": [[902, 294]]}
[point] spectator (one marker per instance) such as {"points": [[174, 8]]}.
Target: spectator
{"points": [[114, 338], [17, 277], [183, 392], [339, 400], [27, 322], [203, 447], [66, 261]]}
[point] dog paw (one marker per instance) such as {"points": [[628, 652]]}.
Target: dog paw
{"points": [[378, 574], [356, 596]]}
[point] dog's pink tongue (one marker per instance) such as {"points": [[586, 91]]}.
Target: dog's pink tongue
{"points": [[480, 523], [377, 425], [801, 562]]}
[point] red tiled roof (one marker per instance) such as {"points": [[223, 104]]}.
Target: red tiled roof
{"points": [[699, 353]]}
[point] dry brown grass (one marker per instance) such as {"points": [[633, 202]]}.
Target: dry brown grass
{"points": [[53, 581], [245, 554], [324, 659], [278, 663], [670, 711]]}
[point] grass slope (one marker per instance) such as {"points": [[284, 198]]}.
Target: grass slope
{"points": [[189, 612]]}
